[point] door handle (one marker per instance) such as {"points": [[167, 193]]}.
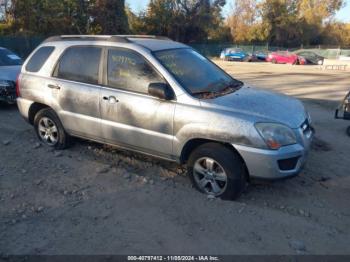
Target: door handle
{"points": [[54, 86], [111, 99]]}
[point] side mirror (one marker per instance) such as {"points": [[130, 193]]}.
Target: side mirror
{"points": [[161, 90]]}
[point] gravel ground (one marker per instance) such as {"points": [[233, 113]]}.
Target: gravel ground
{"points": [[95, 199]]}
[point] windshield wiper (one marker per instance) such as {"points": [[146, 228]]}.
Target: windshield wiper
{"points": [[231, 88], [205, 94]]}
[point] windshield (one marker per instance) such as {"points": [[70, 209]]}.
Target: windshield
{"points": [[237, 50], [7, 58], [197, 74]]}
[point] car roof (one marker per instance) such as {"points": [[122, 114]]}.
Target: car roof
{"points": [[156, 44], [153, 43]]}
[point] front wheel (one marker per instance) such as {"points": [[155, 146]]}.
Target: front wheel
{"points": [[217, 170], [49, 129], [348, 130]]}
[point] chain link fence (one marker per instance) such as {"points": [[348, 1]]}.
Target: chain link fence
{"points": [[214, 50], [23, 46]]}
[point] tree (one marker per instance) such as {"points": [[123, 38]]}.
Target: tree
{"points": [[245, 22], [280, 22], [336, 34], [135, 21], [314, 15], [52, 17], [183, 20], [109, 17]]}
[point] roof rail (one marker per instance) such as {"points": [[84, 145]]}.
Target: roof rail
{"points": [[147, 37], [110, 38]]}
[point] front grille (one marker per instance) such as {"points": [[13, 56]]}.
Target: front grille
{"points": [[288, 164], [8, 93]]}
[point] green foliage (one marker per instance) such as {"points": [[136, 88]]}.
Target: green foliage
{"points": [[109, 17], [277, 22], [52, 17], [283, 22], [182, 20]]}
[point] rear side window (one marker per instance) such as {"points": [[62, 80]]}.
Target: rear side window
{"points": [[79, 64], [39, 58]]}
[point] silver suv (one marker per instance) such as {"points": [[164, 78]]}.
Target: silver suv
{"points": [[162, 98]]}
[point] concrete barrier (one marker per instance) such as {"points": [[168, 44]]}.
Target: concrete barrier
{"points": [[335, 64]]}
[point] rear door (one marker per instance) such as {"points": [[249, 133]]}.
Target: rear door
{"points": [[76, 90], [129, 116]]}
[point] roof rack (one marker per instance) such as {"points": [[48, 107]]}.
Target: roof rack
{"points": [[110, 38], [158, 37]]}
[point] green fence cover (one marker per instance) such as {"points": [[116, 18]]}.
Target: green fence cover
{"points": [[23, 46]]}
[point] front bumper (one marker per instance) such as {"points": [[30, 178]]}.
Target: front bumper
{"points": [[8, 94], [277, 164]]}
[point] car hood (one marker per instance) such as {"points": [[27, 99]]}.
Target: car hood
{"points": [[262, 106], [9, 72]]}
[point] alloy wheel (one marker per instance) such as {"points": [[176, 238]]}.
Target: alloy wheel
{"points": [[210, 176], [48, 131]]}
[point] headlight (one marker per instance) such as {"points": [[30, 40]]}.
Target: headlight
{"points": [[308, 117], [276, 135]]}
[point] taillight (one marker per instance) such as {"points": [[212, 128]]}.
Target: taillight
{"points": [[18, 94]]}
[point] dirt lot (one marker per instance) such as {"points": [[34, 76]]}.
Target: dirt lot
{"points": [[93, 199]]}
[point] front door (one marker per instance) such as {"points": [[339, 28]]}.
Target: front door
{"points": [[129, 116]]}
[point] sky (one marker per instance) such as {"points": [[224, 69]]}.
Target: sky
{"points": [[139, 5]]}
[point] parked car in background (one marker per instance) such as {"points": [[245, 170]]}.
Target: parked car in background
{"points": [[311, 57], [260, 56], [10, 67], [162, 98], [285, 57], [235, 54], [344, 57]]}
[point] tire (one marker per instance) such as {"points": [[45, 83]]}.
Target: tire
{"points": [[247, 59], [49, 129], [274, 61], [220, 158], [348, 131]]}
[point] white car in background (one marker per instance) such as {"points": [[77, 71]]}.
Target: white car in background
{"points": [[344, 58]]}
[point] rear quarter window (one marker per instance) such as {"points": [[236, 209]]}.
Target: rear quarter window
{"points": [[39, 58]]}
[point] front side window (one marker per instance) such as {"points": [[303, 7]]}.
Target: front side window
{"points": [[80, 64], [130, 71], [196, 73]]}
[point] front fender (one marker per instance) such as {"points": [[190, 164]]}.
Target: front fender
{"points": [[217, 128]]}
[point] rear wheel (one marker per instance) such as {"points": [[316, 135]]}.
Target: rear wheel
{"points": [[49, 129], [296, 62], [216, 170], [348, 130]]}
